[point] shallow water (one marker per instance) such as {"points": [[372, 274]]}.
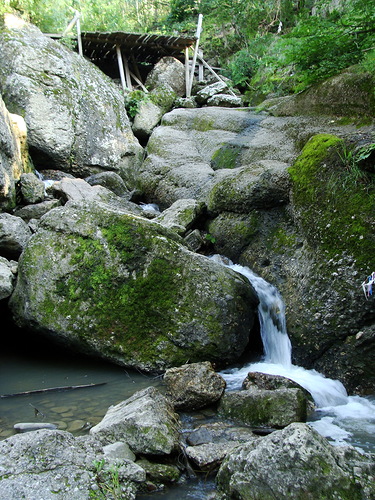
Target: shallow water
{"points": [[72, 410]]}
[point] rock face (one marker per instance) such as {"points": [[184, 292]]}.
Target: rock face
{"points": [[126, 289], [75, 115], [13, 158], [146, 422], [295, 463], [194, 386]]}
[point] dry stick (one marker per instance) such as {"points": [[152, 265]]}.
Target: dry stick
{"points": [[206, 65], [52, 389]]}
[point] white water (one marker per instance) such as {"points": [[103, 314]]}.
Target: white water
{"points": [[341, 418]]}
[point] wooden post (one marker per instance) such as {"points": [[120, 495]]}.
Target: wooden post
{"points": [[121, 68], [127, 74], [200, 66], [187, 73], [198, 35]]}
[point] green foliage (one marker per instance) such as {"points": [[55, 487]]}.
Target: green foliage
{"points": [[132, 102], [108, 482]]}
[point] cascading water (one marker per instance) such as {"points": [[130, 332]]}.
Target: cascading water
{"points": [[342, 418]]}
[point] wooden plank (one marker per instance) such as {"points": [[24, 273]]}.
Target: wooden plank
{"points": [[121, 68], [198, 35], [127, 74], [187, 73]]}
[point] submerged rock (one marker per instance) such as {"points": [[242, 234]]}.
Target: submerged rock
{"points": [[296, 463], [127, 289]]}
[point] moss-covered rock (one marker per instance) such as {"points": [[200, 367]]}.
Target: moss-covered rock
{"points": [[75, 114], [127, 289], [350, 94], [335, 209], [269, 408], [297, 463]]}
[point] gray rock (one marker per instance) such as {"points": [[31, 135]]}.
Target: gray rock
{"points": [[48, 464], [210, 443], [165, 305], [194, 386], [147, 118], [111, 181], [166, 82], [209, 91], [225, 100], [146, 422], [13, 157], [118, 451], [296, 463], [75, 115], [181, 215], [8, 271], [167, 72], [265, 184], [185, 102], [32, 188], [14, 234], [79, 190], [36, 211], [271, 408]]}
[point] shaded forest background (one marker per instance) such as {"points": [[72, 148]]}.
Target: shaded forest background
{"points": [[266, 47]]}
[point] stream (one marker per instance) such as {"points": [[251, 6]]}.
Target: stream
{"points": [[27, 364]]}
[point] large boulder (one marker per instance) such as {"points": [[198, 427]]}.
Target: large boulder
{"points": [[8, 271], [347, 94], [13, 156], [296, 463], [127, 289], [75, 115], [53, 465], [194, 386], [146, 422], [165, 82], [194, 149]]}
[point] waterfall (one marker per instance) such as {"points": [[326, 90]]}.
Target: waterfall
{"points": [[340, 417]]}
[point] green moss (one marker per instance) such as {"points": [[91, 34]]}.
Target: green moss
{"points": [[335, 211], [226, 157], [202, 123]]}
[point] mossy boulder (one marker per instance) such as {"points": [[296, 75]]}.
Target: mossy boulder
{"points": [[127, 289], [269, 408], [349, 94], [75, 115], [297, 463]]}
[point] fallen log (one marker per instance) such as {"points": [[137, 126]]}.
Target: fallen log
{"points": [[52, 389]]}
